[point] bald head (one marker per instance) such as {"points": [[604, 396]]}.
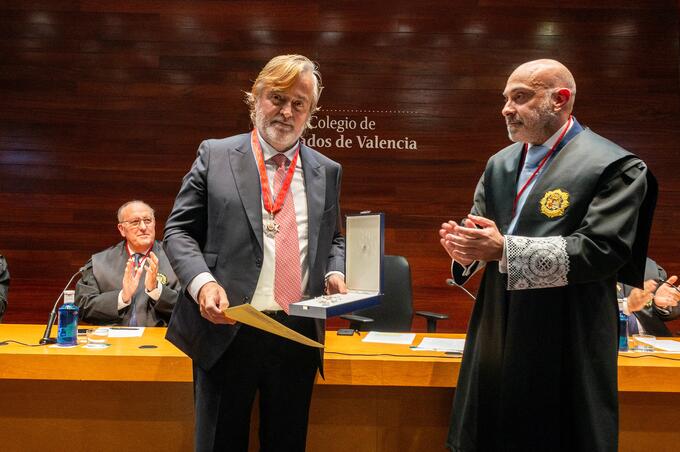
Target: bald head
{"points": [[539, 99], [547, 74]]}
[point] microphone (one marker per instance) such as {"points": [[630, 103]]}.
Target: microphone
{"points": [[46, 339], [451, 282]]}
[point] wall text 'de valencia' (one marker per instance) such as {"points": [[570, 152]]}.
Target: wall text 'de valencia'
{"points": [[328, 132]]}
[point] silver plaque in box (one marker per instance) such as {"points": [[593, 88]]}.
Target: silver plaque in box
{"points": [[364, 251]]}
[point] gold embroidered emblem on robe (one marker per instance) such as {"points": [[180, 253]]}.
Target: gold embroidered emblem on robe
{"points": [[554, 203]]}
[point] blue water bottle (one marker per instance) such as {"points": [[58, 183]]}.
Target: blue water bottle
{"points": [[623, 329], [67, 330]]}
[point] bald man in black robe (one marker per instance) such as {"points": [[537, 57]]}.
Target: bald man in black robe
{"points": [[558, 217]]}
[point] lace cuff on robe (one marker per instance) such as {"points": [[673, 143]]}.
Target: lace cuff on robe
{"points": [[536, 262]]}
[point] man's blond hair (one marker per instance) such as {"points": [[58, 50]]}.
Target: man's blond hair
{"points": [[280, 73]]}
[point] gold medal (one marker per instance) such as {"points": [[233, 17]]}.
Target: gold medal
{"points": [[554, 203], [162, 279]]}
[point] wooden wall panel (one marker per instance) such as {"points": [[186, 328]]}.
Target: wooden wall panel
{"points": [[107, 100]]}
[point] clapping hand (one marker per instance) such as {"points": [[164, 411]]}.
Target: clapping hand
{"points": [[478, 239], [150, 280], [131, 279], [667, 295]]}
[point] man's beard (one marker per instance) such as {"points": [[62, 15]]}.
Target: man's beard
{"points": [[272, 134], [536, 125]]}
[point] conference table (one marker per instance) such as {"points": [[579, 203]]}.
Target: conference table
{"points": [[137, 395]]}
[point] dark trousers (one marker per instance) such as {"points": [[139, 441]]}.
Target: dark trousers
{"points": [[281, 370]]}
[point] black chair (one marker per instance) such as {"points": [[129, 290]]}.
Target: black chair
{"points": [[395, 312]]}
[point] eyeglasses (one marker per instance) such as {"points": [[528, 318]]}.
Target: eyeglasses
{"points": [[137, 221]]}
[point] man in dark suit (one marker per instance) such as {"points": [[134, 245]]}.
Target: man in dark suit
{"points": [[131, 283], [650, 307], [4, 285], [257, 220]]}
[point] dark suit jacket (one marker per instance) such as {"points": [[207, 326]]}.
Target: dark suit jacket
{"points": [[216, 226], [102, 279], [652, 318], [4, 285]]}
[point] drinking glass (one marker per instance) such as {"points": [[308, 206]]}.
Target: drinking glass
{"points": [[97, 337]]}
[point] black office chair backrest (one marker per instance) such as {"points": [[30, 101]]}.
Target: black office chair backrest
{"points": [[395, 312]]}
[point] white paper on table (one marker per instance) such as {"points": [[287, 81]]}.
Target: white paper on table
{"points": [[126, 331], [389, 338], [666, 345], [440, 345]]}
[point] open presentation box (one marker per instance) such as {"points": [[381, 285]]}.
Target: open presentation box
{"points": [[364, 252]]}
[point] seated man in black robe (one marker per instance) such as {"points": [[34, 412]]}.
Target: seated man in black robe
{"points": [[649, 308], [131, 283]]}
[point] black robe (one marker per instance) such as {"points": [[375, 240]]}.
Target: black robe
{"points": [[652, 318], [539, 370], [4, 285], [102, 279]]}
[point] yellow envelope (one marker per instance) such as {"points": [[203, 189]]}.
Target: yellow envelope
{"points": [[247, 314]]}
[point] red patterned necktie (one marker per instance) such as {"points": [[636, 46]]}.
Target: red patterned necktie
{"points": [[287, 273]]}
